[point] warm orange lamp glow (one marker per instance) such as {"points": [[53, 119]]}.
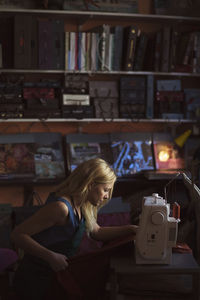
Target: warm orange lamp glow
{"points": [[163, 155]]}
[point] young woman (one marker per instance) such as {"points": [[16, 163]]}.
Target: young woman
{"points": [[54, 233]]}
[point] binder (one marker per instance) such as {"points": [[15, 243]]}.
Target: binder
{"points": [[130, 38], [25, 42], [118, 46], [51, 44], [58, 62], [7, 41], [45, 44]]}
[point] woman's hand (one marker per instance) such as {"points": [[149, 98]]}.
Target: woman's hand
{"points": [[108, 233], [57, 261], [133, 228]]}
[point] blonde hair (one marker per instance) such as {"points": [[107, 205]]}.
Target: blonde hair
{"points": [[79, 181]]}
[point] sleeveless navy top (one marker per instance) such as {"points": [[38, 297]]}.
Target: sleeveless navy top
{"points": [[64, 239]]}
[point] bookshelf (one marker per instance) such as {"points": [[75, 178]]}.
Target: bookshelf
{"points": [[85, 21]]}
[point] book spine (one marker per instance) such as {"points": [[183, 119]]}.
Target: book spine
{"points": [[175, 35], [103, 48], [7, 41], [72, 49], [76, 50], [1, 56], [110, 54], [58, 44], [182, 46], [158, 49], [150, 97], [140, 52], [107, 47], [79, 49], [198, 52], [189, 49], [130, 37], [83, 51], [118, 48], [194, 61], [93, 51], [34, 44], [97, 51], [88, 51], [165, 49], [45, 44], [69, 52], [67, 34], [22, 42]]}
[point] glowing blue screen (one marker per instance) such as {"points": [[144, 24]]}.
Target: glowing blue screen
{"points": [[132, 157]]}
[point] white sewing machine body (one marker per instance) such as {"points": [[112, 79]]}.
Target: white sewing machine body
{"points": [[157, 232]]}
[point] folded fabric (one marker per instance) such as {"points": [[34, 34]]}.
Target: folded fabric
{"points": [[87, 274]]}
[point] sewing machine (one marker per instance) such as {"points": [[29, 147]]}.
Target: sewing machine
{"points": [[157, 232]]}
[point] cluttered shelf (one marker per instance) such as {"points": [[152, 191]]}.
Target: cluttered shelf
{"points": [[86, 31]]}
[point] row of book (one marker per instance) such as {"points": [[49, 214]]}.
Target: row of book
{"points": [[108, 48], [103, 48], [30, 43], [177, 51]]}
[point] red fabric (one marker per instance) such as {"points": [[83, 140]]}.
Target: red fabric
{"points": [[109, 219], [87, 274], [114, 219], [182, 248]]}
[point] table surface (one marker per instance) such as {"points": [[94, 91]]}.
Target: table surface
{"points": [[181, 263]]}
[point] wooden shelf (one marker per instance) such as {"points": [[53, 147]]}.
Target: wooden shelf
{"points": [[38, 71], [101, 120], [100, 14]]}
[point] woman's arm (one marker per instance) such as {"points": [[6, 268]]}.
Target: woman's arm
{"points": [[50, 215], [112, 232]]}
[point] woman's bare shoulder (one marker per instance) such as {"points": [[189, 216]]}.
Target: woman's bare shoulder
{"points": [[57, 208]]}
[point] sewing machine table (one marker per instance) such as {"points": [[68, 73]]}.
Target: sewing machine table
{"points": [[182, 264]]}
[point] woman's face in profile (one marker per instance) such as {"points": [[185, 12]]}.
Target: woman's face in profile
{"points": [[98, 193]]}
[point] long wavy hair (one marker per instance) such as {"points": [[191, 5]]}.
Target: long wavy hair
{"points": [[78, 183]]}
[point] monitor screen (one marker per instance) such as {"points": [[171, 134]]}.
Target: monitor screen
{"points": [[82, 147], [31, 157], [132, 153]]}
